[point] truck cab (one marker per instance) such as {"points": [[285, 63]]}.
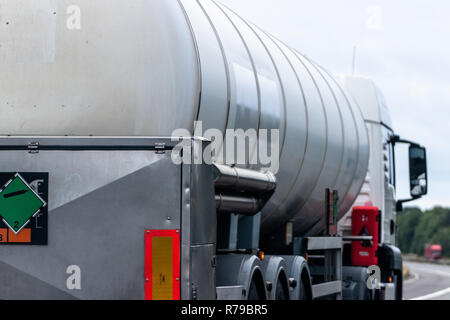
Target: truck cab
{"points": [[433, 251], [379, 186]]}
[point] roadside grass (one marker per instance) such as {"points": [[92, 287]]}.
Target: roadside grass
{"points": [[406, 272]]}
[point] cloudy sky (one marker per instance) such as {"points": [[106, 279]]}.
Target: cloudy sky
{"points": [[404, 45]]}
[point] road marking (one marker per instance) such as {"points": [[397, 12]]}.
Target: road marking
{"points": [[436, 294], [439, 272], [433, 295]]}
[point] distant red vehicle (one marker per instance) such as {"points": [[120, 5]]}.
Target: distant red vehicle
{"points": [[433, 251]]}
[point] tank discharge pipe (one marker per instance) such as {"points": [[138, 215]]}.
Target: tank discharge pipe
{"points": [[242, 191]]}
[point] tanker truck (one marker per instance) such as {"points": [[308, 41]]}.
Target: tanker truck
{"points": [[95, 205]]}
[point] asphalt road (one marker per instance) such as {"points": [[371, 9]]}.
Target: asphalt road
{"points": [[428, 282]]}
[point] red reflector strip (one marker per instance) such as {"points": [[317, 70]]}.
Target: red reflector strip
{"points": [[162, 265]]}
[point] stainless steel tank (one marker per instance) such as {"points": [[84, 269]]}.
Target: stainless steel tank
{"points": [[147, 67]]}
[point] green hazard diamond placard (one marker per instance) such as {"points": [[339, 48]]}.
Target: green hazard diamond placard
{"points": [[19, 203]]}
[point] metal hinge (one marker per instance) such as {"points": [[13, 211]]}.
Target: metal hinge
{"points": [[160, 147], [33, 147]]}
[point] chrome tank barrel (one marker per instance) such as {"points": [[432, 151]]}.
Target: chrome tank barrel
{"points": [[153, 66]]}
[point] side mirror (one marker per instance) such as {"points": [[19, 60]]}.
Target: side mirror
{"points": [[418, 179]]}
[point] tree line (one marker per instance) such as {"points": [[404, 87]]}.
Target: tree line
{"points": [[417, 228]]}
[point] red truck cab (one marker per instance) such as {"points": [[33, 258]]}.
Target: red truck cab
{"points": [[433, 251]]}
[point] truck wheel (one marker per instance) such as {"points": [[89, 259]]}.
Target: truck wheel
{"points": [[303, 295], [256, 290], [281, 292], [253, 292], [398, 281], [305, 286]]}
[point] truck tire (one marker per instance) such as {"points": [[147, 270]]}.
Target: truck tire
{"points": [[302, 292], [281, 291], [398, 281], [305, 286], [256, 290]]}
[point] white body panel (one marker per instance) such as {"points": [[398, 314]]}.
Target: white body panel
{"points": [[378, 189]]}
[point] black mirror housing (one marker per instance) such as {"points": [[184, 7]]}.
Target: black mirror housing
{"points": [[418, 177]]}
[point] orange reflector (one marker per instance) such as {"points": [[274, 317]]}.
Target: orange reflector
{"points": [[261, 255], [162, 265]]}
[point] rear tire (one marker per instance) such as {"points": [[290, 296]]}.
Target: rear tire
{"points": [[256, 290], [303, 294], [398, 282], [281, 293], [253, 291], [305, 287]]}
